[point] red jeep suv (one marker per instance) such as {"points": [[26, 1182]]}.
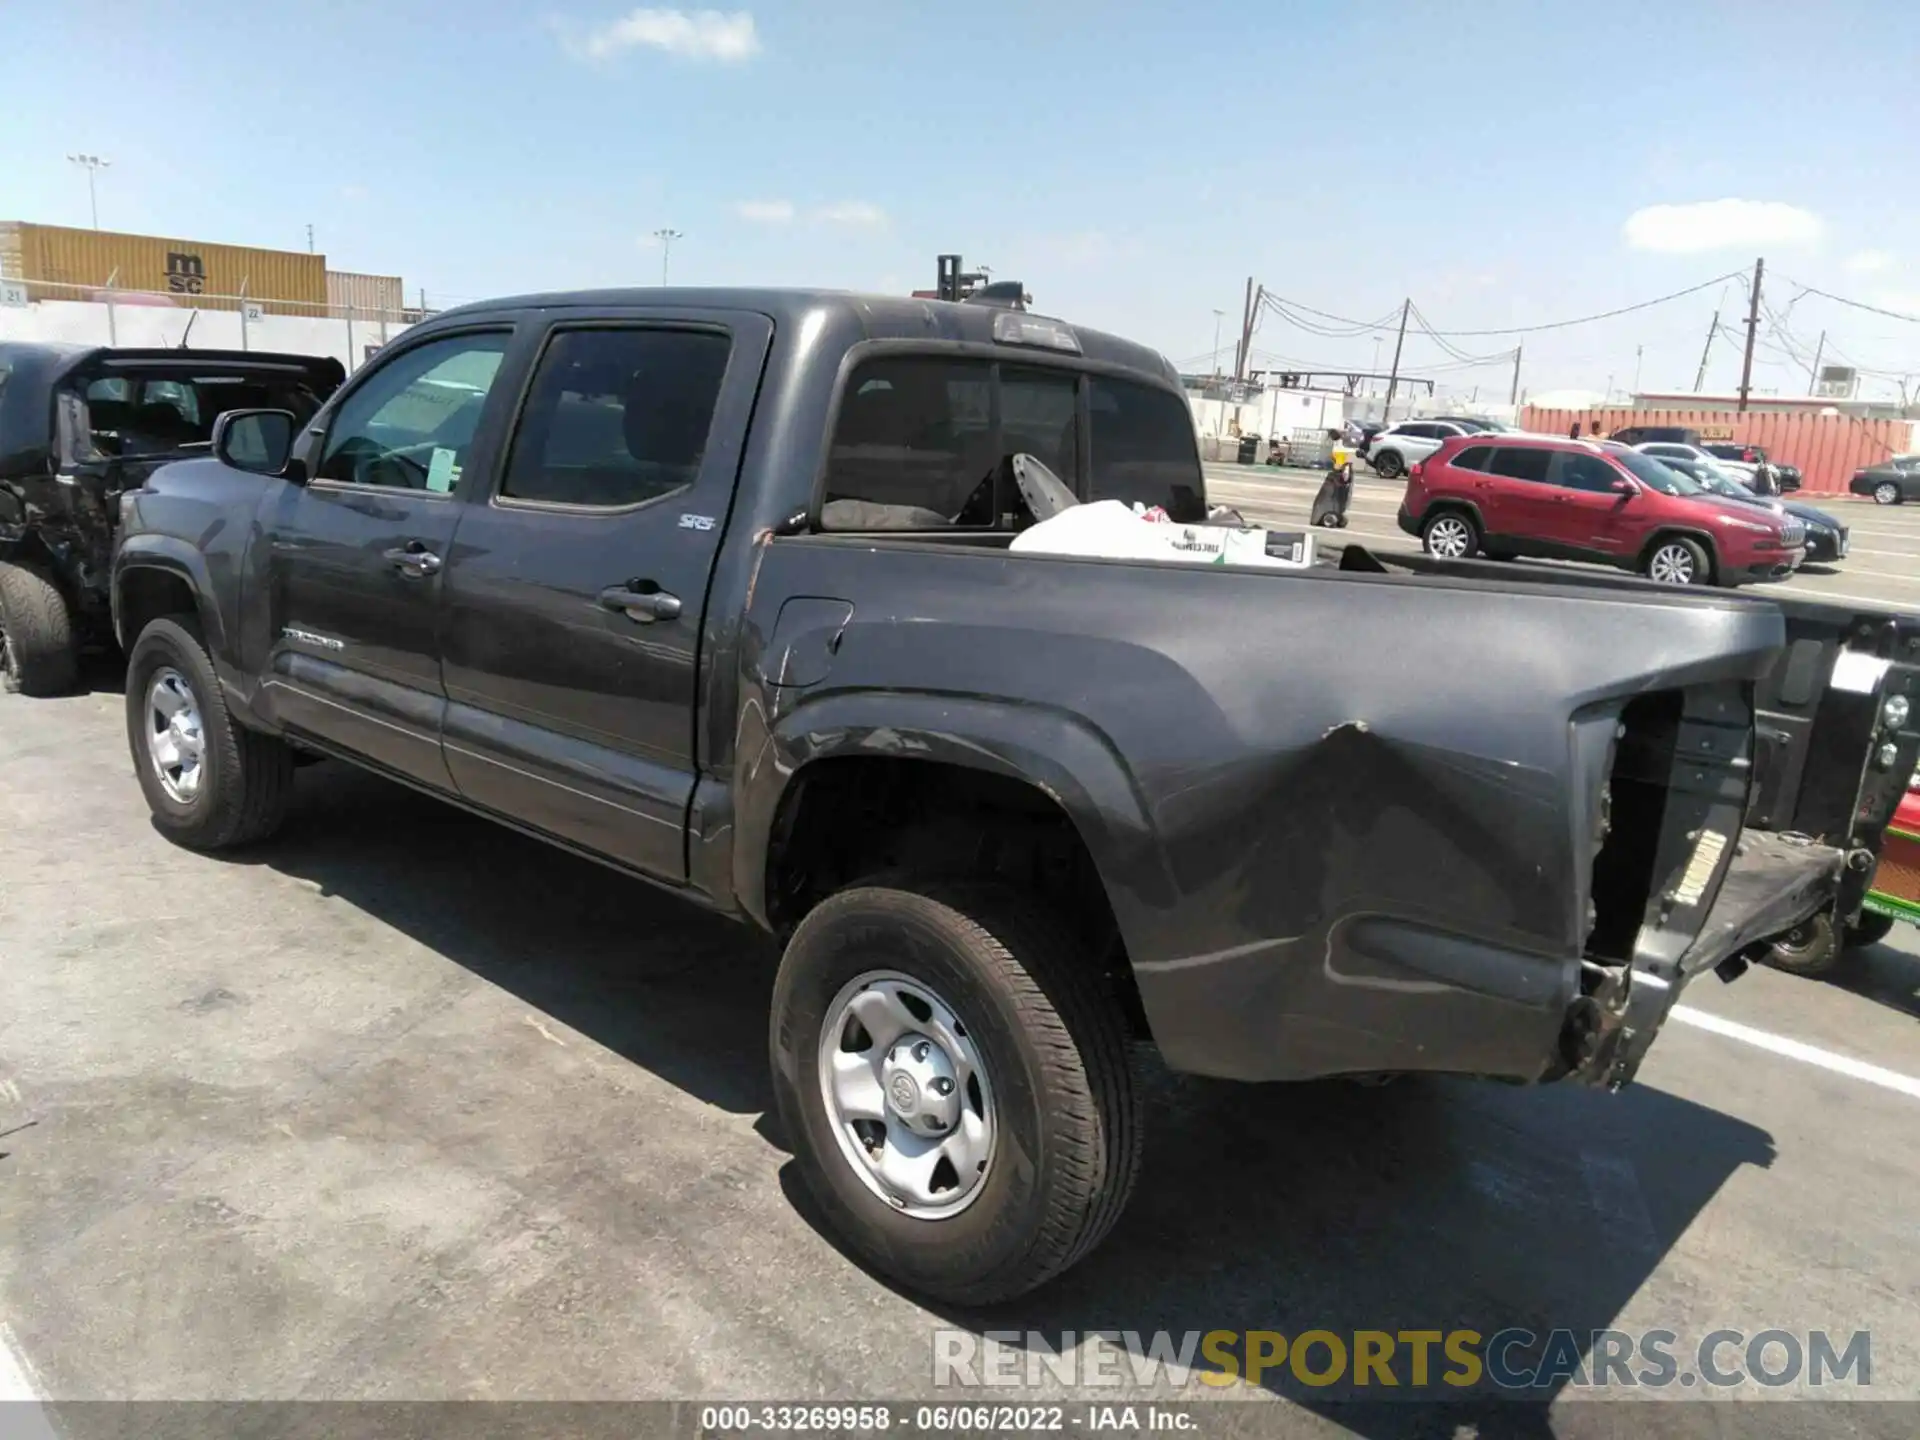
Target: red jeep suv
{"points": [[1508, 495]]}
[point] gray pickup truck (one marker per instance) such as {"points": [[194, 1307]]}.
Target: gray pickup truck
{"points": [[715, 587]]}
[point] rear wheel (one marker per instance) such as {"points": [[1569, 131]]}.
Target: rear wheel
{"points": [[952, 1074], [1886, 493], [1450, 535], [1679, 561], [38, 655], [1388, 465], [1870, 929], [1811, 948]]}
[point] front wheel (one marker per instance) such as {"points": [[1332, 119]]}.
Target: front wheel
{"points": [[1886, 493], [1679, 561], [209, 782], [1449, 536], [1388, 465], [952, 1074], [38, 655]]}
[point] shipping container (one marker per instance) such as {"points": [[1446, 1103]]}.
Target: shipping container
{"points": [[1827, 448], [372, 296], [59, 263]]}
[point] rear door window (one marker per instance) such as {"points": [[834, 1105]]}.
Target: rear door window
{"points": [[1521, 462]]}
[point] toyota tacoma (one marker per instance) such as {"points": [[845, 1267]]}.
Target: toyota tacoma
{"points": [[715, 587]]}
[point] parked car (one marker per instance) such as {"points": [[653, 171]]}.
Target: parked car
{"points": [[79, 425], [1789, 475], [1827, 536], [1509, 496], [1892, 483], [1368, 430], [1398, 446], [716, 588], [1666, 434], [1764, 479]]}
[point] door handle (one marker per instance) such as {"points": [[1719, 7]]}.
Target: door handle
{"points": [[413, 559], [645, 606]]}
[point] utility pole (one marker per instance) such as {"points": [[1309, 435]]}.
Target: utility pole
{"points": [[1243, 352], [666, 238], [1218, 316], [1813, 372], [1393, 378], [92, 164], [309, 237], [1753, 332], [1713, 328], [1638, 351], [1513, 395]]}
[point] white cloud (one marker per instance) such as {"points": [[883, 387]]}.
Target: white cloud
{"points": [[857, 213], [1870, 262], [1720, 225], [765, 212], [353, 192], [690, 34]]}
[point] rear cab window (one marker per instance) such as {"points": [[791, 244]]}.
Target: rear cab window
{"points": [[924, 443], [130, 414]]}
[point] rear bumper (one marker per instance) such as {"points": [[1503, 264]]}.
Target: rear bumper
{"points": [[1404, 519]]}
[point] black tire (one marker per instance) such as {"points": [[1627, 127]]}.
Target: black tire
{"points": [[1870, 929], [1054, 1044], [1388, 465], [246, 778], [1668, 558], [1810, 948], [38, 654], [1886, 493], [1437, 532]]}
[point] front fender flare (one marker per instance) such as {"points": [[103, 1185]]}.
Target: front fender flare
{"points": [[164, 552], [1056, 752]]}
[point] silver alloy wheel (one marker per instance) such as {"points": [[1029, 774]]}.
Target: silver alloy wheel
{"points": [[1672, 565], [1886, 493], [1449, 538], [176, 744], [907, 1095]]}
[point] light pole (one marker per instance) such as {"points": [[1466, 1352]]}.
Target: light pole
{"points": [[1375, 367], [1218, 316], [666, 238], [91, 164]]}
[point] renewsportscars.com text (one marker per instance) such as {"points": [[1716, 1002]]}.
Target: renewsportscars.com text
{"points": [[1384, 1361]]}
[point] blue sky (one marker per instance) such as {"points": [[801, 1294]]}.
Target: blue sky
{"points": [[1132, 164]]}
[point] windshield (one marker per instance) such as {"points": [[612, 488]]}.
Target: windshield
{"points": [[1655, 476]]}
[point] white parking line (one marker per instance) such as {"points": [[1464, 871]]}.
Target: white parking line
{"points": [[1799, 1050], [15, 1387]]}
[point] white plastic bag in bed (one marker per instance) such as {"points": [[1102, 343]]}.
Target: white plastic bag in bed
{"points": [[1111, 530]]}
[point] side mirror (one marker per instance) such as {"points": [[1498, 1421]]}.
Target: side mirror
{"points": [[1624, 486], [257, 440]]}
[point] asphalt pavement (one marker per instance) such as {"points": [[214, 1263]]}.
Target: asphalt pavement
{"points": [[404, 1105], [1882, 565]]}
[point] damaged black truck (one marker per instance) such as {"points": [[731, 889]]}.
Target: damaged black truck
{"points": [[79, 426], [716, 587]]}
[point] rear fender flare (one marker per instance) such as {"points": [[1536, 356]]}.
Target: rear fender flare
{"points": [[1059, 754], [1471, 510]]}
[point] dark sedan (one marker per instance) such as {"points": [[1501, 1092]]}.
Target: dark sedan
{"points": [[1826, 535], [1891, 483]]}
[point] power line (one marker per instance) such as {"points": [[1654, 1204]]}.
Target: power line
{"points": [[1603, 315], [1856, 304]]}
